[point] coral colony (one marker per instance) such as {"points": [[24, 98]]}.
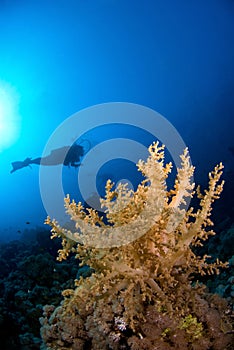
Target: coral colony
{"points": [[143, 292]]}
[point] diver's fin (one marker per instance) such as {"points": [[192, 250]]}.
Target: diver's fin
{"points": [[20, 164], [17, 166]]}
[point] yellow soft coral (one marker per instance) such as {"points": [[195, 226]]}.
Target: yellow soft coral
{"points": [[133, 212], [143, 253]]}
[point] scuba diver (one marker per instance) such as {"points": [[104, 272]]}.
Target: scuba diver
{"points": [[67, 155]]}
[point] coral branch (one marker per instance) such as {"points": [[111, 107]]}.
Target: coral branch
{"points": [[142, 261]]}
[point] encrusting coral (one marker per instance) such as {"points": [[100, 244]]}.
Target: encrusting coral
{"points": [[141, 294]]}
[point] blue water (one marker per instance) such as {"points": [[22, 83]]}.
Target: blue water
{"points": [[175, 57]]}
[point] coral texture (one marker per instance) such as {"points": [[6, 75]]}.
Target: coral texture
{"points": [[142, 293]]}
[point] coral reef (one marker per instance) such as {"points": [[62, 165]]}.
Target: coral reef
{"points": [[143, 293], [30, 277]]}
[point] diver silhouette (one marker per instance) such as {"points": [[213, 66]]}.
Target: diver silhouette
{"points": [[67, 155]]}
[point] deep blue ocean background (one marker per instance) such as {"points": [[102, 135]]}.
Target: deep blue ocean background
{"points": [[58, 57]]}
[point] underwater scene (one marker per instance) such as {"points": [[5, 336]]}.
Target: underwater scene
{"points": [[117, 174]]}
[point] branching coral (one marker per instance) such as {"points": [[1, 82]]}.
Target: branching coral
{"points": [[143, 261]]}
